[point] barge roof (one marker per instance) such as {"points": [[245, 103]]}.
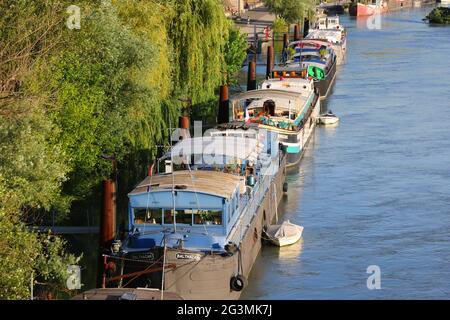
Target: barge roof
{"points": [[210, 182], [243, 148], [267, 94]]}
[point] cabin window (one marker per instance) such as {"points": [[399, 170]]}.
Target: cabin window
{"points": [[208, 217], [182, 216], [147, 216], [194, 217]]}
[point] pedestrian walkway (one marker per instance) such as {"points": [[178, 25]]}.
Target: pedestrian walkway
{"points": [[255, 19]]}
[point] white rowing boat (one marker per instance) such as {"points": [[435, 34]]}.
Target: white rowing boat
{"points": [[328, 118], [284, 234]]}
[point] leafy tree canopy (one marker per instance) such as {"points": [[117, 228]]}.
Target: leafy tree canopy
{"points": [[292, 11], [69, 97]]}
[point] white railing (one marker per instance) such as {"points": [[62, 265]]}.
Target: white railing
{"points": [[252, 205]]}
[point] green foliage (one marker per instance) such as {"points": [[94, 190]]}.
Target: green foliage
{"points": [[95, 93], [235, 53], [52, 261], [25, 256], [439, 15], [290, 52], [292, 11], [32, 169], [17, 252], [150, 114], [198, 31], [67, 97], [280, 25]]}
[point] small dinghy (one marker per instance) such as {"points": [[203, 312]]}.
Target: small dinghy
{"points": [[328, 118], [284, 234]]}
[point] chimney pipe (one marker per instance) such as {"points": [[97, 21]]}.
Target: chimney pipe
{"points": [[224, 112], [184, 122], [183, 125], [296, 32]]}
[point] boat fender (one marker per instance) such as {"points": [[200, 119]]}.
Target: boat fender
{"points": [[237, 283], [231, 248], [285, 187]]}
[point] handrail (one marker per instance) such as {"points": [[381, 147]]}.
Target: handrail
{"points": [[258, 194]]}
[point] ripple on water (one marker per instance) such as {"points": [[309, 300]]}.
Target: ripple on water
{"points": [[375, 189]]}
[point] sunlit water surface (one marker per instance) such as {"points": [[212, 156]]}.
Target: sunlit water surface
{"points": [[374, 190]]}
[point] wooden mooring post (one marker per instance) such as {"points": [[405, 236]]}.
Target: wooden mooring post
{"points": [[269, 66], [251, 79], [224, 113], [107, 227]]}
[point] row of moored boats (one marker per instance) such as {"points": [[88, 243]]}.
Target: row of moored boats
{"points": [[196, 225]]}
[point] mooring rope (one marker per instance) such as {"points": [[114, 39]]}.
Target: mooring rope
{"points": [[163, 269]]}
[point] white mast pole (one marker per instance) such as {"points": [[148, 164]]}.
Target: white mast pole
{"points": [[173, 183]]}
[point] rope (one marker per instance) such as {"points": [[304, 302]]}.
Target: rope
{"points": [[275, 203], [134, 278], [148, 200], [163, 270], [127, 259]]}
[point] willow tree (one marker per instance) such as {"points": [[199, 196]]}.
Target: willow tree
{"points": [[198, 30], [150, 116]]}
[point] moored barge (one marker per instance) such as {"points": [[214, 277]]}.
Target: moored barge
{"points": [[288, 106], [360, 8], [196, 229], [311, 58]]}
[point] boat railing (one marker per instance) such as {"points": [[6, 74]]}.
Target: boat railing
{"points": [[255, 200]]}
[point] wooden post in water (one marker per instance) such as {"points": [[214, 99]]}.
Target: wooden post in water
{"points": [[285, 40], [224, 112], [305, 27], [296, 32], [107, 226], [251, 79], [269, 66]]}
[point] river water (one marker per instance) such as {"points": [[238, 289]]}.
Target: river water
{"points": [[374, 190]]}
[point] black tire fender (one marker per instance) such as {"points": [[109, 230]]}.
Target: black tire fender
{"points": [[285, 187], [237, 283]]}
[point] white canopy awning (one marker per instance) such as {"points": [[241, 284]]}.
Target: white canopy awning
{"points": [[334, 36], [214, 149]]}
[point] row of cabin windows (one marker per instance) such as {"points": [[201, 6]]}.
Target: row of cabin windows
{"points": [[188, 216]]}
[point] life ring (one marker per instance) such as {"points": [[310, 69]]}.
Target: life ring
{"points": [[237, 283]]}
